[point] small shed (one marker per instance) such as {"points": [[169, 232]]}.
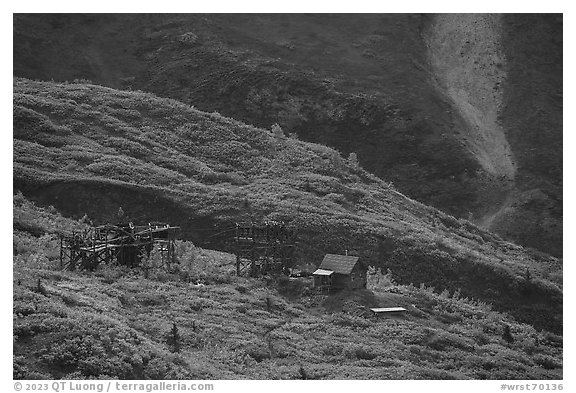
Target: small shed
{"points": [[387, 310], [340, 272]]}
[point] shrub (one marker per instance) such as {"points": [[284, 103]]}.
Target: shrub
{"points": [[166, 367], [196, 306], [364, 353], [333, 349], [241, 309], [257, 352], [547, 362], [187, 38], [377, 281], [109, 273], [151, 299], [443, 341], [162, 276], [336, 198], [292, 289], [342, 319], [449, 221], [361, 352], [21, 371], [82, 81], [553, 340], [480, 337]]}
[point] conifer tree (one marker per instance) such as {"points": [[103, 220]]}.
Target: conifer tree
{"points": [[507, 334], [173, 339], [353, 160]]}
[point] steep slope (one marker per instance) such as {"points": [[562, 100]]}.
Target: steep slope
{"points": [[467, 57], [504, 74], [358, 83], [88, 149], [115, 323], [433, 103]]}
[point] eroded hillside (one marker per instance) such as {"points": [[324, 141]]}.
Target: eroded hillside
{"points": [[467, 57], [483, 62]]}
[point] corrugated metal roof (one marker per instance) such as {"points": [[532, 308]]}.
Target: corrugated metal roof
{"points": [[387, 309], [342, 264], [322, 272]]}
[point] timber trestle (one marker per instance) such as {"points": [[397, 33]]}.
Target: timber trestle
{"points": [[264, 249], [124, 244]]}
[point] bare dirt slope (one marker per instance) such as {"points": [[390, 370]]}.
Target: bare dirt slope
{"points": [[467, 58], [469, 64]]}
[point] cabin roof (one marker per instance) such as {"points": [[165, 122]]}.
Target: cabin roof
{"points": [[342, 264]]}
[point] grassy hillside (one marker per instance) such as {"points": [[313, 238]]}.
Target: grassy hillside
{"points": [[231, 327], [88, 150], [358, 83]]}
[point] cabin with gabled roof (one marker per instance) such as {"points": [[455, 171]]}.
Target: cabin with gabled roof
{"points": [[340, 272]]}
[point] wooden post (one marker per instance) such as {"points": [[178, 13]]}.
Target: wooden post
{"points": [[170, 251], [93, 264], [106, 254], [61, 252]]}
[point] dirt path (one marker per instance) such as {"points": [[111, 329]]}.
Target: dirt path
{"points": [[487, 220], [468, 63]]}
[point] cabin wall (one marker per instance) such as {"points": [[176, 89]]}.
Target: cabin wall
{"points": [[322, 281], [355, 280], [358, 278], [340, 281]]}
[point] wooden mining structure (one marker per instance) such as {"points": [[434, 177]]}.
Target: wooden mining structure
{"points": [[263, 249], [124, 244]]}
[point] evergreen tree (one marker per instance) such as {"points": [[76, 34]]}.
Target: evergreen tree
{"points": [[173, 339], [120, 214], [303, 373], [507, 334], [40, 288], [353, 160], [277, 131]]}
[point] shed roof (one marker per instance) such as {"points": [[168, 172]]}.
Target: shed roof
{"points": [[387, 309], [322, 272], [342, 264]]}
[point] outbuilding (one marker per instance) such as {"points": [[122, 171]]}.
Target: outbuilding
{"points": [[340, 272]]}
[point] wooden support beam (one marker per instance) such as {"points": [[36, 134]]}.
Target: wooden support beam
{"points": [[107, 243]]}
